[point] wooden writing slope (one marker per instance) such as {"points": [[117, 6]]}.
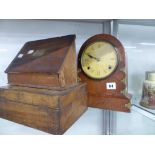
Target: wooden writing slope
{"points": [[45, 63]]}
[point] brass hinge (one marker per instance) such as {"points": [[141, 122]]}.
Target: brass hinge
{"points": [[128, 105], [123, 81], [123, 69], [123, 92]]}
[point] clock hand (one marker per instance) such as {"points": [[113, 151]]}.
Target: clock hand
{"points": [[93, 57]]}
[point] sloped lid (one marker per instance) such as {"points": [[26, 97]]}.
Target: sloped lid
{"points": [[41, 56]]}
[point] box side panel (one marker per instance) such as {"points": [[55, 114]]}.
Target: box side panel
{"points": [[68, 71], [33, 80], [77, 105], [38, 117], [68, 96], [26, 96]]}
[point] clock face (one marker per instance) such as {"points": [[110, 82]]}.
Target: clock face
{"points": [[99, 60]]}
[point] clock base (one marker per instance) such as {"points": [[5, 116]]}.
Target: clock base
{"points": [[117, 103]]}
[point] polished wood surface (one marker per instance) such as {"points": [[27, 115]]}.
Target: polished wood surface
{"points": [[52, 111], [98, 95], [46, 63]]}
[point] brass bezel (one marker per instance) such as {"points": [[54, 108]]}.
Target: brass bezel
{"points": [[115, 49]]}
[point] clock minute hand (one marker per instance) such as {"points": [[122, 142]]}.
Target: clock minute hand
{"points": [[93, 57]]}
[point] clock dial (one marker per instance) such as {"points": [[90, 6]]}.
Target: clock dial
{"points": [[99, 60]]}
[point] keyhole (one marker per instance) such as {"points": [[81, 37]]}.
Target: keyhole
{"points": [[109, 67]]}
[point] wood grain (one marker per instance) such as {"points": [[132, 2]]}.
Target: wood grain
{"points": [[98, 95], [51, 65], [52, 111]]}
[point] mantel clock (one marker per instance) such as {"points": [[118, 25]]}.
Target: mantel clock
{"points": [[102, 65]]}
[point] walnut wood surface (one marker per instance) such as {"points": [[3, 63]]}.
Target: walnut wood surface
{"points": [[52, 111], [55, 67], [98, 95]]}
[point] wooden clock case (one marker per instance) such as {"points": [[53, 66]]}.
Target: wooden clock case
{"points": [[98, 95]]}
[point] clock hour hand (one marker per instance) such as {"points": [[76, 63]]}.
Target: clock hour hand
{"points": [[93, 57]]}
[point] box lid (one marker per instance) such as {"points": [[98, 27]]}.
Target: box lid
{"points": [[42, 56]]}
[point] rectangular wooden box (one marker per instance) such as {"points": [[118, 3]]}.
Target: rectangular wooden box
{"points": [[52, 111]]}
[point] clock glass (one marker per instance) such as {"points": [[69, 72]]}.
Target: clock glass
{"points": [[99, 60]]}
